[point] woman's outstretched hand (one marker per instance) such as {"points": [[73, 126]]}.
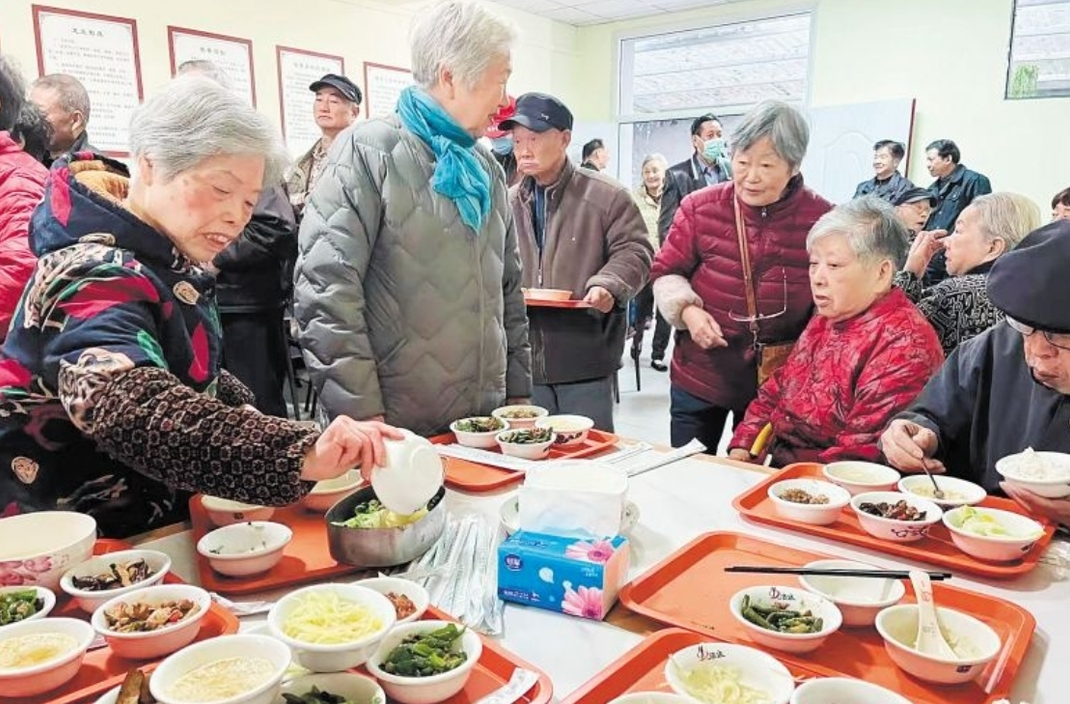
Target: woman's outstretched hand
{"points": [[347, 443]]}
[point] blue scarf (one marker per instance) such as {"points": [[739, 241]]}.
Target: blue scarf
{"points": [[458, 174]]}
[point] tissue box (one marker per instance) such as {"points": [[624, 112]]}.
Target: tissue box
{"points": [[576, 577]]}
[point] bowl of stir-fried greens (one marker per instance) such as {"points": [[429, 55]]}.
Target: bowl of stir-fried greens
{"points": [[24, 604], [477, 431], [333, 688], [425, 661], [527, 443], [363, 532]]}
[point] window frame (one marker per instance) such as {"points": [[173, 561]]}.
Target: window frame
{"points": [[1009, 77]]}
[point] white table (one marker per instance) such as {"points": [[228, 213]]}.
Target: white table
{"points": [[680, 501]]}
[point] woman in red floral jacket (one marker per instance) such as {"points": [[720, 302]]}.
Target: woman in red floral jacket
{"points": [[863, 358]]}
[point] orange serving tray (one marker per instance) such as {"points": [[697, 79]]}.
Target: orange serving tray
{"points": [[101, 670], [307, 558], [936, 548], [690, 589], [475, 477], [554, 303], [642, 669]]}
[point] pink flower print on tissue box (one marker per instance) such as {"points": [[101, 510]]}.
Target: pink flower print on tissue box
{"points": [[573, 576]]}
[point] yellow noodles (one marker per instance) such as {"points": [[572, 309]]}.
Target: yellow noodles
{"points": [[325, 618]]}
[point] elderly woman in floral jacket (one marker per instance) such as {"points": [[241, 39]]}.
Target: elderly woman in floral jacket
{"points": [[863, 358], [112, 400]]}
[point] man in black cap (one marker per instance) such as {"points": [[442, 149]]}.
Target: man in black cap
{"points": [[913, 207], [336, 107], [1005, 390], [577, 230]]}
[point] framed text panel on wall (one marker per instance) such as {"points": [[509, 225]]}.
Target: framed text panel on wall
{"points": [[384, 84], [233, 56], [101, 51], [298, 69]]}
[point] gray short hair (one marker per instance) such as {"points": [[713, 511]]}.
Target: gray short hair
{"points": [[72, 94], [206, 68], [654, 158], [781, 123], [462, 36], [194, 118], [871, 227], [1006, 216]]}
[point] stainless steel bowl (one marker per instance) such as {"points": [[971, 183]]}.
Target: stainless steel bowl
{"points": [[382, 547]]}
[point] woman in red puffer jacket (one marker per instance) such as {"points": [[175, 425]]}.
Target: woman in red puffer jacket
{"points": [[698, 274], [22, 183]]}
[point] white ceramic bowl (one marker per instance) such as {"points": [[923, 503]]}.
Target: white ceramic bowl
{"points": [[844, 690], [482, 441], [159, 564], [1024, 531], [860, 477], [221, 648], [224, 512], [527, 451], [46, 596], [548, 294], [859, 599], [30, 681], [502, 414], [898, 626], [812, 514], [244, 549], [330, 491], [142, 645], [416, 593], [334, 657], [570, 430], [509, 514], [756, 669], [652, 698], [411, 476], [37, 548], [351, 686], [957, 492], [424, 690], [798, 600], [894, 530], [1055, 488]]}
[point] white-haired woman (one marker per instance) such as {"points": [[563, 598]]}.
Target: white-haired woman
{"points": [[958, 307], [112, 401], [863, 358], [408, 277], [647, 196], [705, 288]]}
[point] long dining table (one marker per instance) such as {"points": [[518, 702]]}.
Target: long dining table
{"points": [[678, 502]]}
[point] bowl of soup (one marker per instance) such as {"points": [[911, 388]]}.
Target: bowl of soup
{"points": [[233, 669], [860, 477], [973, 642], [954, 491], [42, 655]]}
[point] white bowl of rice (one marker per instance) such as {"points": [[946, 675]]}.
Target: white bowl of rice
{"points": [[1043, 473], [332, 627], [722, 672]]}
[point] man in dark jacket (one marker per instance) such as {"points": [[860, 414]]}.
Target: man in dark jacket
{"points": [[887, 183], [955, 188], [708, 165], [65, 104], [581, 231], [595, 156], [1005, 389]]}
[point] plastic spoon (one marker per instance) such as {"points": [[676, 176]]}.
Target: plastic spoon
{"points": [[930, 640]]}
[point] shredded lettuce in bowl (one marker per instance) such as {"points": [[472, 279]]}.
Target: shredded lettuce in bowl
{"points": [[372, 514], [984, 524]]}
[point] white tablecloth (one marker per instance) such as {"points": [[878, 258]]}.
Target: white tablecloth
{"points": [[680, 501]]}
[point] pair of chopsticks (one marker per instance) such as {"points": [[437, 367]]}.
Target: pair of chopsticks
{"points": [[833, 572]]}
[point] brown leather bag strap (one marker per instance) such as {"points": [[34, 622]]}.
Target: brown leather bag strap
{"points": [[748, 277]]}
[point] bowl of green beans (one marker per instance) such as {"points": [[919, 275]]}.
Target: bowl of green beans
{"points": [[786, 618]]}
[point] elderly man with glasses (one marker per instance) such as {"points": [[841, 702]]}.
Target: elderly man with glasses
{"points": [[1008, 388]]}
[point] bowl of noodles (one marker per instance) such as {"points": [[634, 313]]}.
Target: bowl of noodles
{"points": [[362, 532], [332, 627]]}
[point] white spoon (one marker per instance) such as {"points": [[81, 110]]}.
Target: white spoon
{"points": [[930, 640]]}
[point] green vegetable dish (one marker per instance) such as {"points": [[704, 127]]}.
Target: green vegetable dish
{"points": [[427, 654], [316, 696], [780, 618], [487, 424], [19, 605], [528, 436]]}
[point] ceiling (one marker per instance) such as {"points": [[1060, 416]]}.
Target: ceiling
{"points": [[588, 12]]}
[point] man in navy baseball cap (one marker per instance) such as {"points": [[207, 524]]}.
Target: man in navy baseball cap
{"points": [[539, 112]]}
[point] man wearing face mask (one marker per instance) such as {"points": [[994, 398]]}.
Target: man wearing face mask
{"points": [[708, 165], [500, 143]]}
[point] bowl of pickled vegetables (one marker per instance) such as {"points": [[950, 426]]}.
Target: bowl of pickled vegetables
{"points": [[786, 618], [478, 431], [363, 532], [992, 534], [725, 672], [20, 603], [426, 661], [332, 627], [899, 518]]}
